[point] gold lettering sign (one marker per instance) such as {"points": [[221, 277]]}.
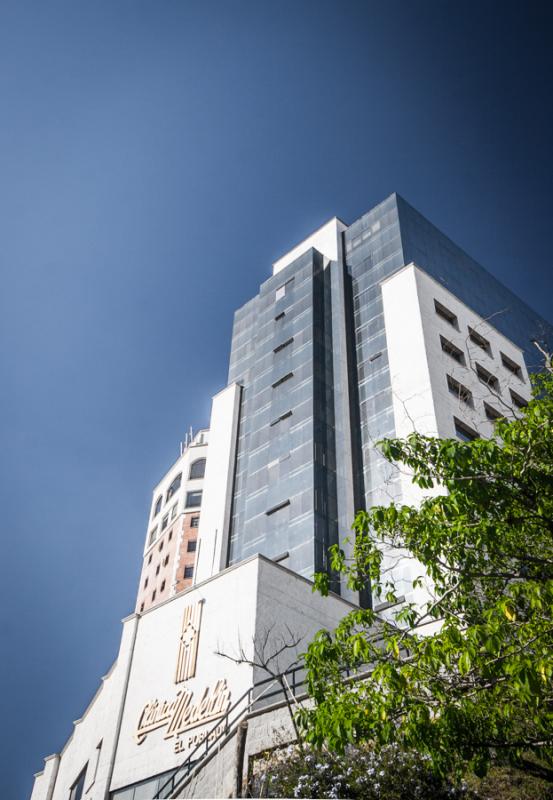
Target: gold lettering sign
{"points": [[183, 714]]}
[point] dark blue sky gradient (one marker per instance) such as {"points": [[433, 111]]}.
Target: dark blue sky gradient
{"points": [[155, 157]]}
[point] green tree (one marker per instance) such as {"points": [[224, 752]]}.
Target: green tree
{"points": [[482, 682]]}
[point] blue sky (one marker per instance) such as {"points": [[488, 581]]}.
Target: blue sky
{"points": [[155, 158]]}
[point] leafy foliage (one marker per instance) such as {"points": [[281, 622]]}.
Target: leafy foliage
{"points": [[481, 683]]}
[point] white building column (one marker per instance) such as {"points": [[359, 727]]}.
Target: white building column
{"points": [[218, 483]]}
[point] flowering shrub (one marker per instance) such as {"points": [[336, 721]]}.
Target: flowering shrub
{"points": [[360, 772]]}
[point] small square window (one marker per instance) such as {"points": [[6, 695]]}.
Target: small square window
{"points": [[511, 365], [281, 418], [282, 346], [195, 522], [189, 572], [487, 378], [518, 401], [446, 314], [282, 380], [278, 507], [193, 499], [464, 432], [492, 413], [191, 546], [452, 350], [477, 339], [458, 390]]}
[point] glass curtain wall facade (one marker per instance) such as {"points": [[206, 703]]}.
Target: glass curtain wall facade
{"points": [[310, 352], [284, 496]]}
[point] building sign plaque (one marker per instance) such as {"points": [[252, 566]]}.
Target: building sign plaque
{"points": [[184, 713]]}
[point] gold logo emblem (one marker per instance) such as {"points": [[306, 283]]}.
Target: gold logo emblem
{"points": [[188, 643], [183, 712]]}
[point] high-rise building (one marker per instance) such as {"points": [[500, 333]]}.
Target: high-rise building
{"points": [[321, 379], [361, 332]]}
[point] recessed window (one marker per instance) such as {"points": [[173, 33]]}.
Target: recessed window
{"points": [[477, 339], [193, 499], [170, 536], [487, 378], [76, 791], [282, 416], [518, 401], [459, 391], [146, 583], [283, 379], [189, 572], [375, 356], [174, 511], [195, 522], [452, 350], [160, 548], [191, 546], [284, 289], [464, 432], [164, 522], [162, 587], [141, 607], [446, 314], [97, 756], [492, 413], [153, 595], [280, 316], [197, 469], [153, 535], [157, 507], [166, 560], [157, 569], [511, 365], [278, 507], [174, 487], [280, 347]]}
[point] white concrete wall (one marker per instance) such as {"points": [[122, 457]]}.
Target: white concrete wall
{"points": [[240, 605], [286, 605], [98, 724], [45, 780], [324, 239], [419, 367], [228, 617], [217, 498]]}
